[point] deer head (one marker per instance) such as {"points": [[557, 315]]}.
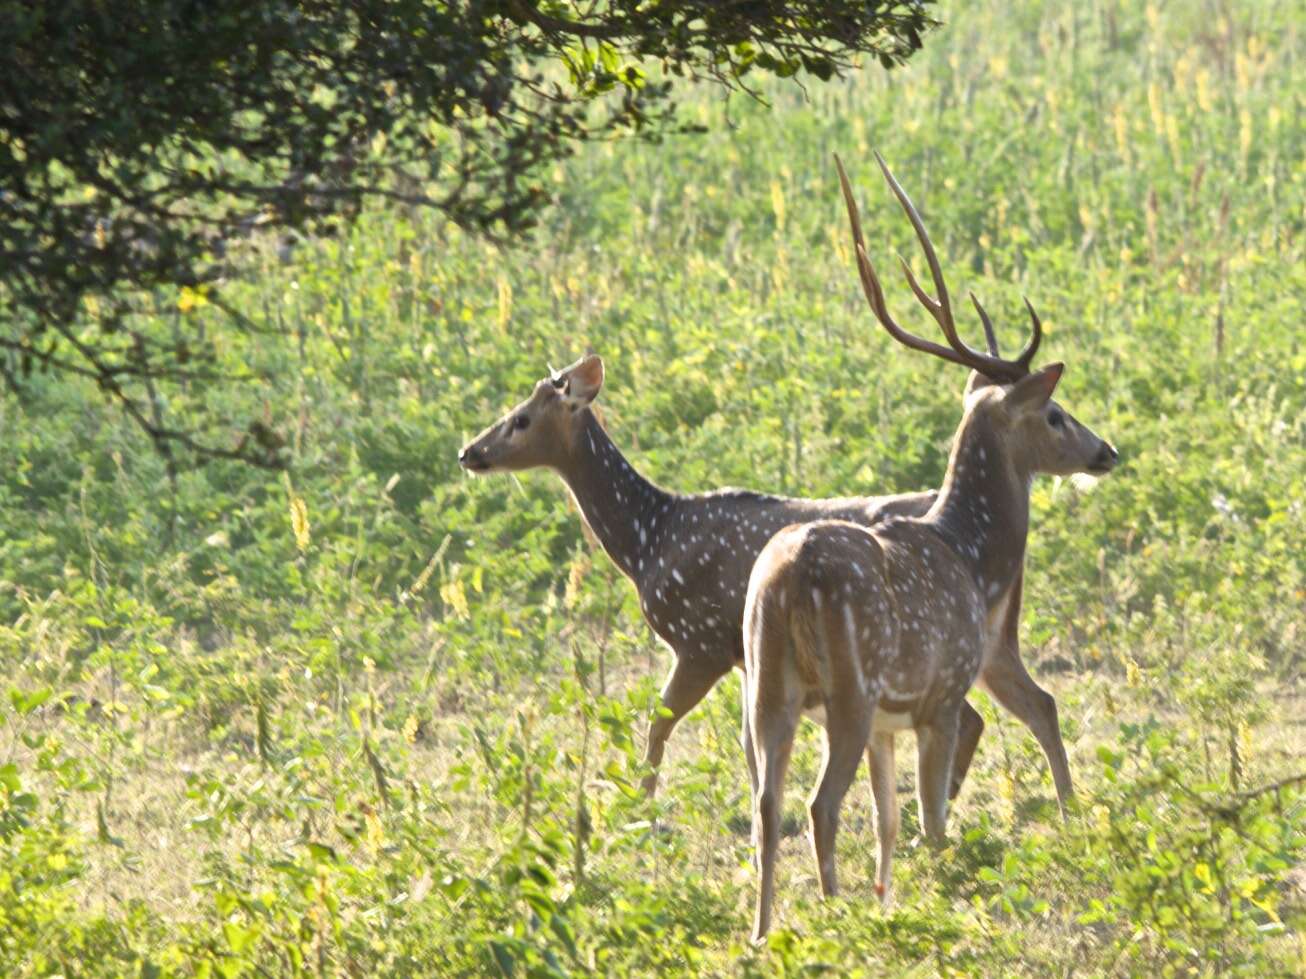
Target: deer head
{"points": [[1036, 433], [543, 429]]}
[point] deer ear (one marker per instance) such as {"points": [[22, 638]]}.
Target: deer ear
{"points": [[1034, 390], [584, 380]]}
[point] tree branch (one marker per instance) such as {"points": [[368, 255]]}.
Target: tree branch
{"points": [[559, 25]]}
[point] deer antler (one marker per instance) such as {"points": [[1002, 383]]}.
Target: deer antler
{"points": [[957, 351]]}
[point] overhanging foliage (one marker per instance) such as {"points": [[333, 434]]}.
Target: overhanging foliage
{"points": [[139, 143]]}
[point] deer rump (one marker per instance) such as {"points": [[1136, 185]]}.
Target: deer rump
{"points": [[836, 610]]}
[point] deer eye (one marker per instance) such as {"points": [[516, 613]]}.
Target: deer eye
{"points": [[1056, 419], [521, 422]]}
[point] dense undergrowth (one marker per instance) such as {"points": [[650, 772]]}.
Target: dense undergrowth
{"points": [[372, 717]]}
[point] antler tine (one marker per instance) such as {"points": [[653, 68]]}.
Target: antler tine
{"points": [[1026, 357], [871, 283], [865, 270], [989, 337], [940, 308], [991, 365]]}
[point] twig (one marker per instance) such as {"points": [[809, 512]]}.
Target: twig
{"points": [[1282, 783]]}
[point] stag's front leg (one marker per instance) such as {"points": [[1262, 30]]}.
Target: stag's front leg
{"points": [[688, 683], [1004, 675], [936, 744], [1007, 679]]}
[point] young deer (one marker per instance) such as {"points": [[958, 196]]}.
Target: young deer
{"points": [[877, 628]]}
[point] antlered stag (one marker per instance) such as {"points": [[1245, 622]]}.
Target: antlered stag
{"points": [[873, 629]]}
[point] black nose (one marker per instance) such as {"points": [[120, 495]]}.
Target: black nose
{"points": [[472, 460], [1106, 458]]}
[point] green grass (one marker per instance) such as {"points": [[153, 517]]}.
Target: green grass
{"points": [[407, 746]]}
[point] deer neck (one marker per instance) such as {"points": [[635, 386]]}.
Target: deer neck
{"points": [[983, 508], [624, 510]]}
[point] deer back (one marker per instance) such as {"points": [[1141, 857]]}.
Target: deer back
{"points": [[890, 610]]}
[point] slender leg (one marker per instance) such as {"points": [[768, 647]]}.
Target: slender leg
{"points": [[848, 724], [936, 743], [887, 817], [972, 726], [773, 739], [1007, 679], [750, 756], [688, 683]]}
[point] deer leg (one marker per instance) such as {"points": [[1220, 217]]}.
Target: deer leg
{"points": [[936, 744], [772, 730], [884, 788], [1007, 679], [848, 724], [687, 684], [750, 756], [972, 726]]}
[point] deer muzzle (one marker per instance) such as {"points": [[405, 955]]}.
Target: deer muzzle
{"points": [[1105, 460], [471, 459]]}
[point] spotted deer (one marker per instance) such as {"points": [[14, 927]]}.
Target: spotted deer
{"points": [[875, 629]]}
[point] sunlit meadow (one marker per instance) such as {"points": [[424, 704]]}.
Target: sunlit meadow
{"points": [[373, 717]]}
